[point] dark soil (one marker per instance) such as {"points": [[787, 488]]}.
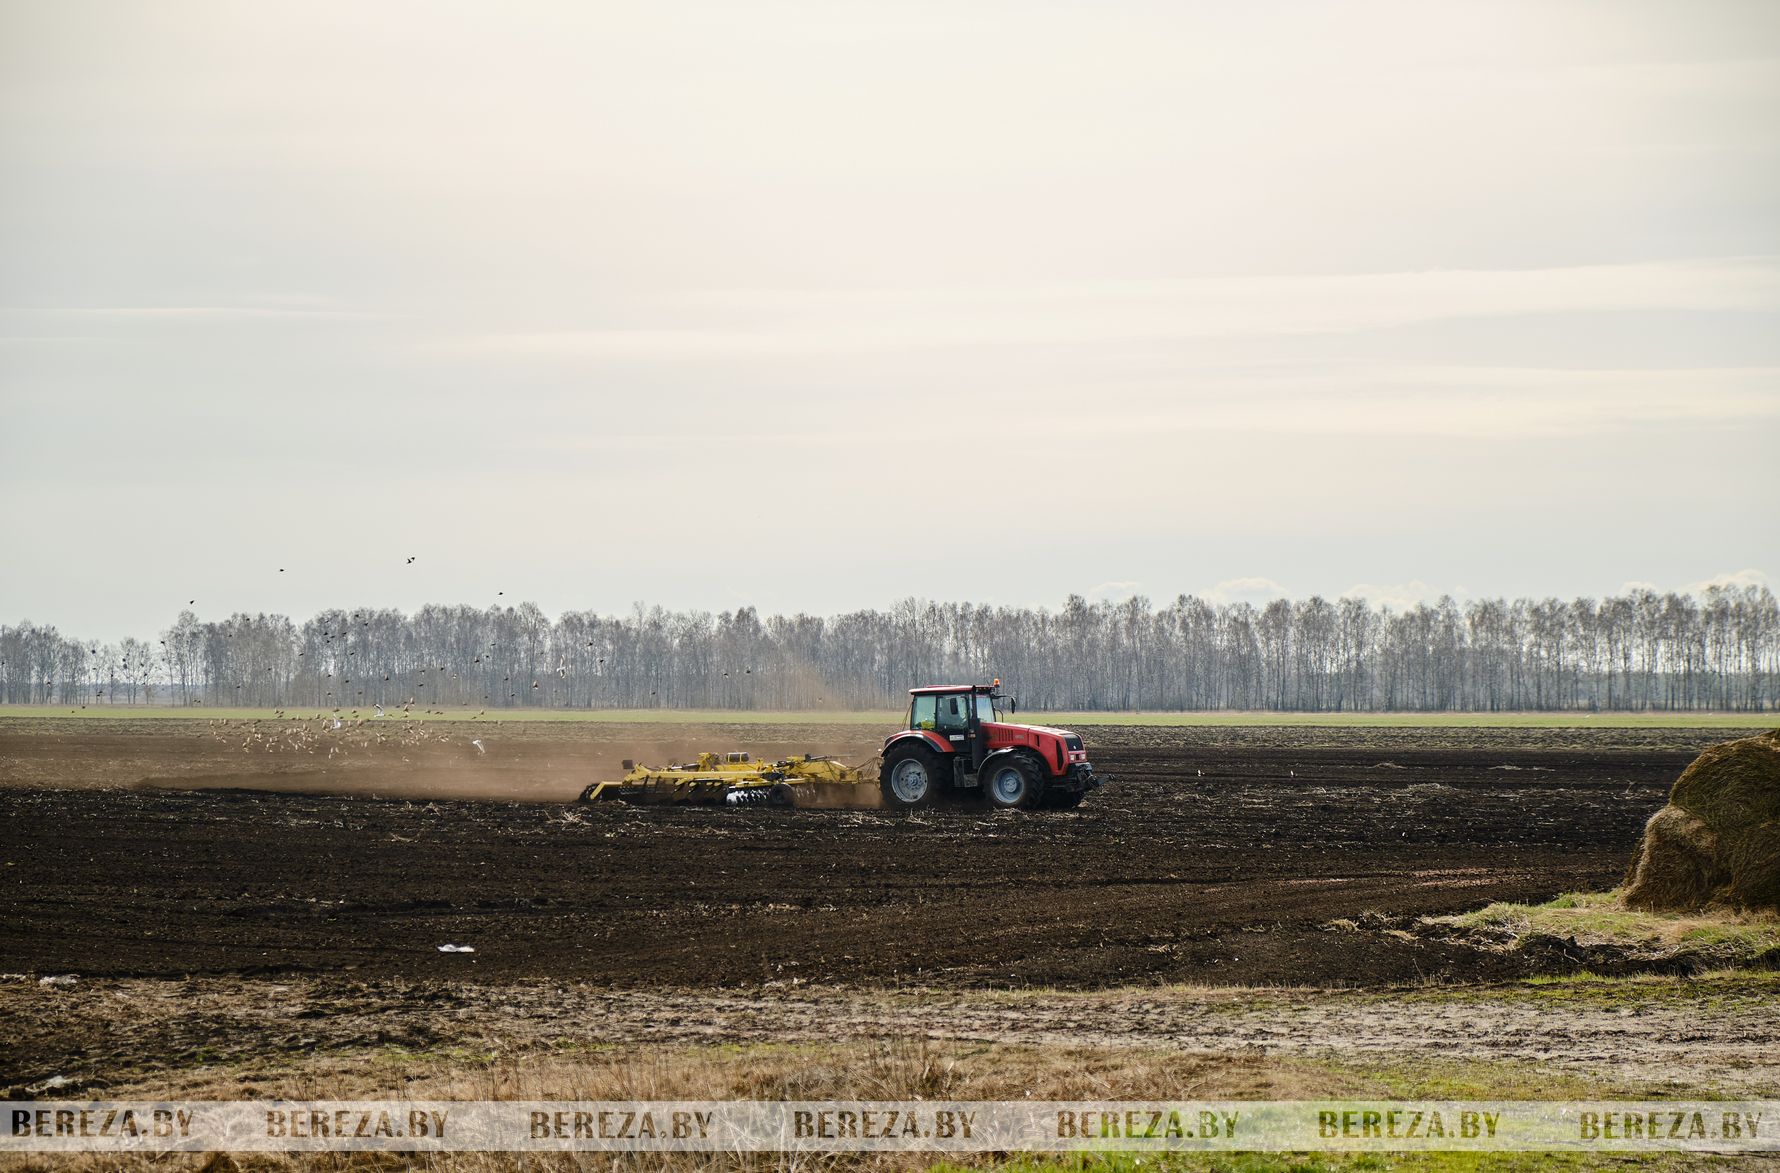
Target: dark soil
{"points": [[1202, 862]]}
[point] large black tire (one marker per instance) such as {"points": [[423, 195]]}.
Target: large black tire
{"points": [[1064, 800], [910, 778], [1013, 782]]}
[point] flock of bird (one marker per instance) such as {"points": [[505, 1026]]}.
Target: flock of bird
{"points": [[328, 638], [339, 736], [562, 668]]}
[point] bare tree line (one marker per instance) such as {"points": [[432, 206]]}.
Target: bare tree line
{"points": [[1719, 650]]}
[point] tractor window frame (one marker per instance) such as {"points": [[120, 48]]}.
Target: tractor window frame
{"points": [[945, 724], [986, 708], [930, 716]]}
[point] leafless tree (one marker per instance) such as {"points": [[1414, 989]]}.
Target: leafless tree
{"points": [[1643, 651]]}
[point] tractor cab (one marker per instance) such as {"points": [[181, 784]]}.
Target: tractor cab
{"points": [[957, 714]]}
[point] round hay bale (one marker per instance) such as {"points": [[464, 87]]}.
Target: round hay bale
{"points": [[1717, 842]]}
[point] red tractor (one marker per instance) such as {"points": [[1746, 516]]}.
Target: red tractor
{"points": [[956, 743]]}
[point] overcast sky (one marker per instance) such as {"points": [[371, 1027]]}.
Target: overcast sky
{"points": [[817, 305]]}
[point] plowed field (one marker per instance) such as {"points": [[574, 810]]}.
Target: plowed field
{"points": [[167, 849]]}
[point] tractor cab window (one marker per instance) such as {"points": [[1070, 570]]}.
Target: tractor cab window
{"points": [[986, 707], [954, 712], [922, 714]]}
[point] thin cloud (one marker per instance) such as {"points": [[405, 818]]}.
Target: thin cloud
{"points": [[1114, 592], [1733, 579], [1250, 589], [841, 321], [1398, 596], [190, 311], [1736, 579], [1501, 402]]}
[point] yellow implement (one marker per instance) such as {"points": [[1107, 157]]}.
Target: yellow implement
{"points": [[737, 779]]}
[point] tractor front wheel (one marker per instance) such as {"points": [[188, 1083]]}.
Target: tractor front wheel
{"points": [[1012, 783], [909, 779]]}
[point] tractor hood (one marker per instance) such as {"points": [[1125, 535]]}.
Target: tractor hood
{"points": [[1048, 729]]}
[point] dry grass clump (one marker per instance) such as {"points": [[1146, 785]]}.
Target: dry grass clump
{"points": [[1717, 842], [887, 1070], [884, 1070], [1602, 918]]}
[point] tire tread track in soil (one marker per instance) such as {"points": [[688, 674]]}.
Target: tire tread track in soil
{"points": [[107, 1032], [1214, 856]]}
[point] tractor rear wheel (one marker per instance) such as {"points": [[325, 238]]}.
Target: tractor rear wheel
{"points": [[1013, 783], [910, 777]]}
